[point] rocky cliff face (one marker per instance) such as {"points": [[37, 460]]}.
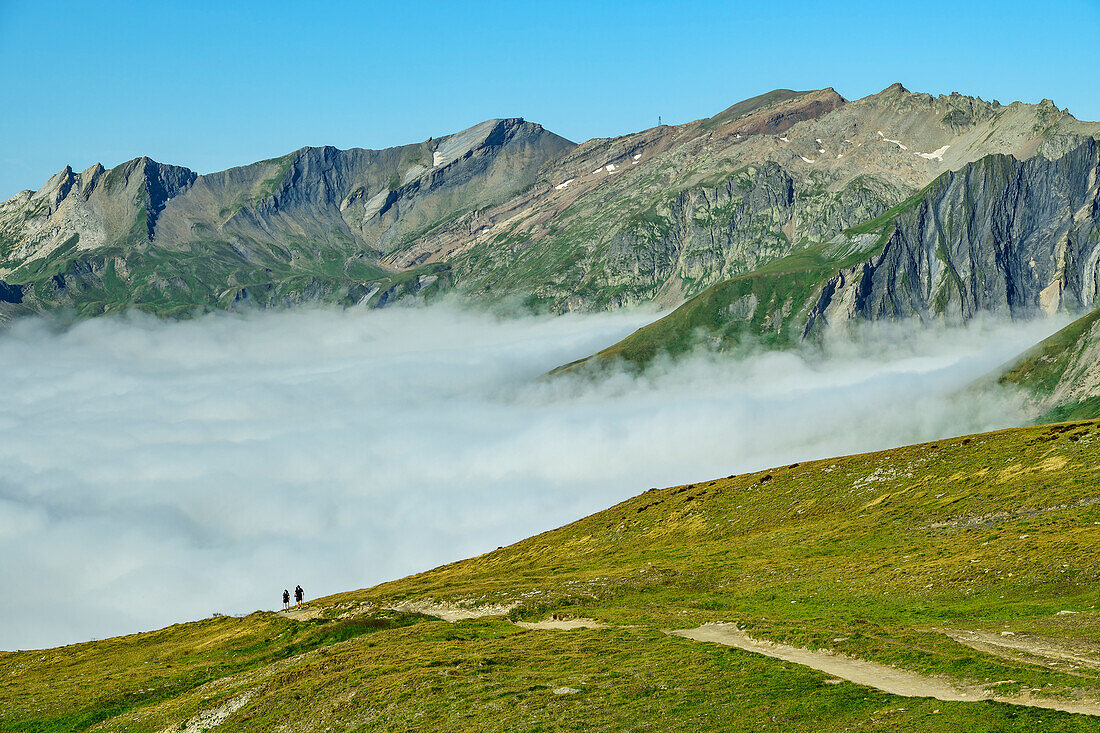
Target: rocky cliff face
{"points": [[709, 233], [1001, 235], [82, 210], [370, 200], [664, 214]]}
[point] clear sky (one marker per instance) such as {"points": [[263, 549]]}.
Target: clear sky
{"points": [[210, 85]]}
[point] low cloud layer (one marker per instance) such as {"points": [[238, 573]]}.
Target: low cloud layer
{"points": [[153, 472]]}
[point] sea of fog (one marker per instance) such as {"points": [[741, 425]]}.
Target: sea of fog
{"points": [[158, 471]]}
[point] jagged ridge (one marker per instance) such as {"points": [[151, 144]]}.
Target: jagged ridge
{"points": [[312, 224]]}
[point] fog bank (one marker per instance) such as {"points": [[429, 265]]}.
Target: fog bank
{"points": [[153, 472]]}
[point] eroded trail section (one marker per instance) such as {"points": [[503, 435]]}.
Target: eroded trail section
{"points": [[562, 624], [451, 612], [1065, 655], [879, 676]]}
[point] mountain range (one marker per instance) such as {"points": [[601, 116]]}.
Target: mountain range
{"points": [[778, 218], [937, 587]]}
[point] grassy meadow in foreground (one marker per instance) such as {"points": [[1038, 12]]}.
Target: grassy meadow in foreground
{"points": [[875, 555]]}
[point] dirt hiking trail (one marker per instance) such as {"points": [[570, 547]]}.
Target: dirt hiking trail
{"points": [[859, 671], [302, 613], [452, 612], [879, 676], [1065, 655], [562, 624]]}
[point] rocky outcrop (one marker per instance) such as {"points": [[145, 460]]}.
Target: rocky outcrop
{"points": [[95, 208], [999, 236], [709, 233]]}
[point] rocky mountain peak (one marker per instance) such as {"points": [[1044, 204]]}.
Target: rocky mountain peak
{"points": [[822, 100], [58, 186]]}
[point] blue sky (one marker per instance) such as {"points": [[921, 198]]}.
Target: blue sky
{"points": [[215, 84]]}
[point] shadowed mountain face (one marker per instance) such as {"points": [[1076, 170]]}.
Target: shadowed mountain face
{"points": [[1000, 236], [507, 209]]}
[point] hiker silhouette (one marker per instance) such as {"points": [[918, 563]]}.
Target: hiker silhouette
{"points": [[299, 594]]}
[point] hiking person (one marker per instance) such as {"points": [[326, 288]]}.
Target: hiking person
{"points": [[299, 594], [286, 599]]}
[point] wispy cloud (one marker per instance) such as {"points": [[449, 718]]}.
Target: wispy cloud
{"points": [[153, 472]]}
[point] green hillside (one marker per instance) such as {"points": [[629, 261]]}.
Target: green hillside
{"points": [[878, 556], [1060, 372], [741, 310], [766, 307]]}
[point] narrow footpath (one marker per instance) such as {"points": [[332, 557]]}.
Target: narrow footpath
{"points": [[851, 669]]}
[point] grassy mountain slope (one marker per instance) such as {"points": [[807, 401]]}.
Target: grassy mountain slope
{"points": [[768, 307], [873, 555], [763, 308], [1062, 373]]}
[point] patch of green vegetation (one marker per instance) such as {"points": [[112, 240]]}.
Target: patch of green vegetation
{"points": [[1086, 409], [956, 117], [364, 270], [888, 217], [206, 274], [115, 178], [415, 235], [816, 186], [44, 267], [268, 186], [408, 282], [1041, 368], [766, 307], [394, 182], [139, 230], [148, 669]]}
